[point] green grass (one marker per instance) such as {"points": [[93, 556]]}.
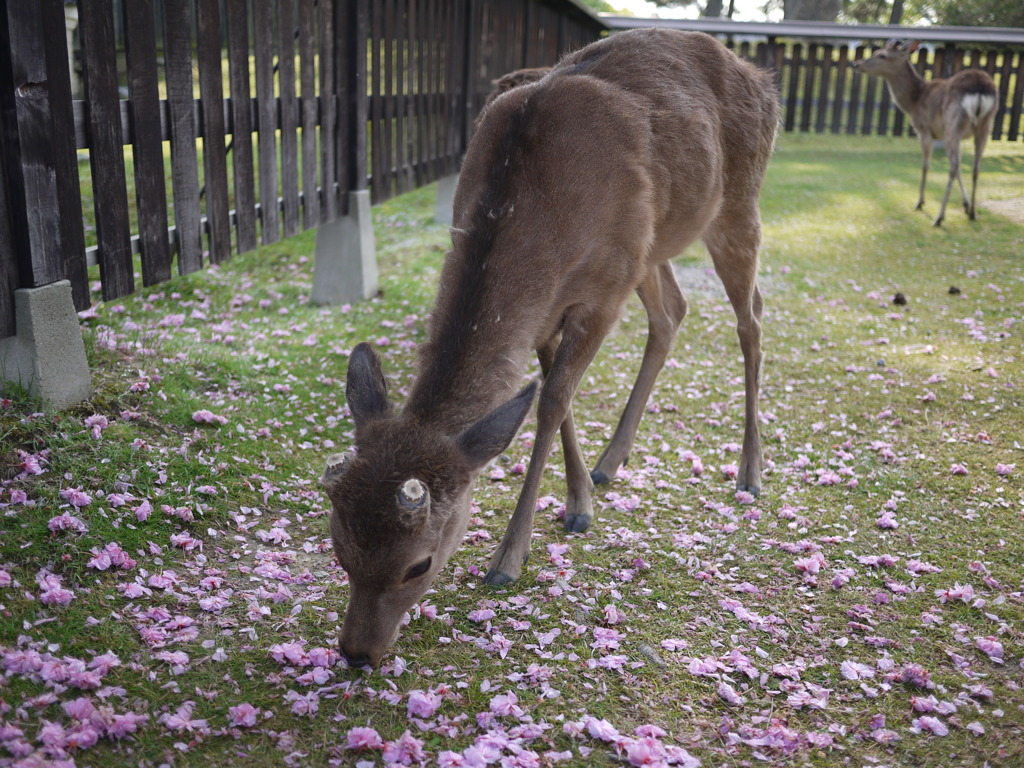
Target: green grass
{"points": [[888, 396]]}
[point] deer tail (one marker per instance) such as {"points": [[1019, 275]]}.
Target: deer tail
{"points": [[978, 106]]}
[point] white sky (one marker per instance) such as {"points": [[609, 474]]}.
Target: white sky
{"points": [[746, 10]]}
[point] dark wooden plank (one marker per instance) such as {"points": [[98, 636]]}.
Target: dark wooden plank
{"points": [[215, 163], [823, 88], [856, 82], [307, 73], [10, 277], [871, 87], [840, 90], [44, 197], [181, 119], [409, 103], [793, 86], [62, 136], [289, 117], [810, 71], [376, 104], [1003, 85], [388, 91], [422, 83], [1017, 105], [106, 153], [329, 56], [147, 146], [263, 41], [236, 17]]}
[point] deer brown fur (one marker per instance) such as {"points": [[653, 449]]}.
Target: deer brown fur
{"points": [[947, 109], [576, 191]]}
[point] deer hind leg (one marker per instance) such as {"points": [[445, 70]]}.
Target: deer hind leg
{"points": [[666, 308], [926, 160], [733, 241], [980, 140], [579, 510], [582, 335], [953, 154]]}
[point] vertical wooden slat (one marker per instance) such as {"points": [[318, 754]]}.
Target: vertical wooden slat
{"points": [[871, 87], [840, 91], [106, 152], [823, 88], [328, 112], [147, 141], [236, 18], [811, 68], [35, 100], [376, 104], [421, 91], [215, 164], [62, 137], [388, 94], [793, 86], [307, 81], [1005, 71], [1018, 100], [184, 165], [10, 277], [263, 40], [355, 150], [856, 81], [409, 152], [289, 117], [401, 81]]}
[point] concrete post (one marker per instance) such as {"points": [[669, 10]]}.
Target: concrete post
{"points": [[345, 270], [445, 199], [47, 356]]}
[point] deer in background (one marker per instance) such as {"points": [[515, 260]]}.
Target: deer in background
{"points": [[948, 109], [576, 190]]}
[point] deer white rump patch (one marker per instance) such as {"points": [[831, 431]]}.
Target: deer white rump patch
{"points": [[978, 105]]}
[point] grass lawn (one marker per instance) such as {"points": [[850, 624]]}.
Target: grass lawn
{"points": [[168, 593]]}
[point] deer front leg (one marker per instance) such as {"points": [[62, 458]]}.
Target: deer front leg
{"points": [[581, 338], [926, 159], [579, 506], [666, 308]]}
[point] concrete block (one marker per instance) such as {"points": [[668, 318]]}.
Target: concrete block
{"points": [[443, 206], [47, 356], [345, 270]]}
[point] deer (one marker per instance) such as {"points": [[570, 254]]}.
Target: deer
{"points": [[946, 109], [576, 191]]}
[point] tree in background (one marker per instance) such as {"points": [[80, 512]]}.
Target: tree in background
{"points": [[957, 13], [600, 6], [807, 10]]}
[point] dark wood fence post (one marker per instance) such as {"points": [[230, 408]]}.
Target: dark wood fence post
{"points": [[43, 257]]}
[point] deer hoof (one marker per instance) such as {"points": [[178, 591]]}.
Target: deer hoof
{"points": [[495, 578], [577, 523], [753, 490], [599, 477], [937, 222]]}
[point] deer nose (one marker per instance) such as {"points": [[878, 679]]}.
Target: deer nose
{"points": [[355, 660]]}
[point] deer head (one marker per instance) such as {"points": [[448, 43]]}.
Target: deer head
{"points": [[888, 59], [401, 502]]}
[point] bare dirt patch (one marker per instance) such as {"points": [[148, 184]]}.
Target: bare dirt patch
{"points": [[1011, 209]]}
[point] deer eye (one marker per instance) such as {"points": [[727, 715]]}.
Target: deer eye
{"points": [[417, 570]]}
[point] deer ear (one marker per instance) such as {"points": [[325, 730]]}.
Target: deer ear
{"points": [[365, 388], [492, 434], [911, 46]]}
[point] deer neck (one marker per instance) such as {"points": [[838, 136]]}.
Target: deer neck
{"points": [[907, 87]]}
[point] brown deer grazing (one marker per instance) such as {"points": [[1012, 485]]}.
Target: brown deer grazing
{"points": [[576, 190], [948, 109]]}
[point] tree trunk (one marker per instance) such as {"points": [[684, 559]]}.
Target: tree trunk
{"points": [[811, 10], [897, 12], [713, 9]]}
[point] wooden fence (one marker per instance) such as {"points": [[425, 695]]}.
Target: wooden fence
{"points": [[263, 114], [821, 92]]}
